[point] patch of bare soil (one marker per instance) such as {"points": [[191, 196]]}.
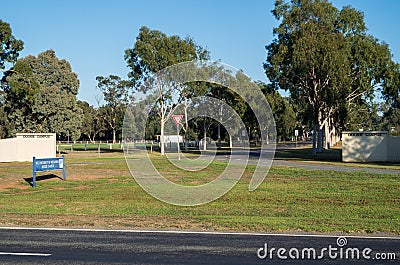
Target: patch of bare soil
{"points": [[17, 175], [103, 221]]}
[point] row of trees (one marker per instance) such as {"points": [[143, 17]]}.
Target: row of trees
{"points": [[322, 56], [39, 93]]}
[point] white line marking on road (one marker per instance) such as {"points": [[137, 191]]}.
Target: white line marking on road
{"points": [[194, 232], [25, 254]]}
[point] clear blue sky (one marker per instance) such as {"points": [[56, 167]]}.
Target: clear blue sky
{"points": [[93, 35]]}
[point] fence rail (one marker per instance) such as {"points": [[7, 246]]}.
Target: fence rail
{"points": [[88, 142], [102, 145]]}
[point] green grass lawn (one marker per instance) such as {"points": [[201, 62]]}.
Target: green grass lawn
{"points": [[102, 193], [332, 156]]}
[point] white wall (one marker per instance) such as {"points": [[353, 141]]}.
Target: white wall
{"points": [[27, 145], [8, 150], [40, 145], [393, 145], [370, 146]]}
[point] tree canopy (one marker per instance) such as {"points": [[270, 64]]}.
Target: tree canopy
{"points": [[40, 96], [9, 45], [327, 61], [153, 51], [115, 93], [9, 52], [284, 115]]}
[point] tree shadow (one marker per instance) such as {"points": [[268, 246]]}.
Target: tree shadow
{"points": [[42, 177], [331, 155]]}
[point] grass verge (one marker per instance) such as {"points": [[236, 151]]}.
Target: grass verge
{"points": [[99, 192]]}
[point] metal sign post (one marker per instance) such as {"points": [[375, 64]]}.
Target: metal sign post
{"points": [[178, 118], [296, 133], [179, 148]]}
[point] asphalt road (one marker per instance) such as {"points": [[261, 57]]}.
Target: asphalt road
{"points": [[45, 246]]}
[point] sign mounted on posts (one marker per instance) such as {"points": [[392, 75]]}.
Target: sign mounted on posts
{"points": [[47, 164]]}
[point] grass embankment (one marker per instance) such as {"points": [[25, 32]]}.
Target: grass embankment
{"points": [[99, 192]]}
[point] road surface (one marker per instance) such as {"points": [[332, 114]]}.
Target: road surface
{"points": [[60, 246]]}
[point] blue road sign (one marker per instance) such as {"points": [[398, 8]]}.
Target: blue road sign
{"points": [[46, 164]]}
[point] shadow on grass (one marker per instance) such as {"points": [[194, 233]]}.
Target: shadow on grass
{"points": [[42, 177], [331, 155]]}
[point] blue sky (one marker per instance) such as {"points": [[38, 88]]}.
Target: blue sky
{"points": [[93, 35]]}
